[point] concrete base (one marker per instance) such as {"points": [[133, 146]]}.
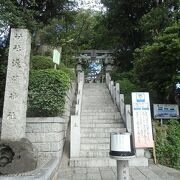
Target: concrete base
{"points": [[47, 171], [138, 161]]}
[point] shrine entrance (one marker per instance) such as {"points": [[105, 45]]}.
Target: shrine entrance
{"points": [[95, 64]]}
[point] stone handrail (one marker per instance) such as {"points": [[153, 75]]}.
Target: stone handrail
{"points": [[75, 120], [118, 99]]}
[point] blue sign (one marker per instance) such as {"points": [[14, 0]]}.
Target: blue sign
{"points": [[166, 111]]}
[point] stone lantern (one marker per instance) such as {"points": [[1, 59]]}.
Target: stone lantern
{"points": [[79, 66], [109, 63]]}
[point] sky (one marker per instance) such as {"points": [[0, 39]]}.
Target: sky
{"points": [[91, 4]]}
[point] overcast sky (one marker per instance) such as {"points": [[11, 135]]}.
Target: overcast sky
{"points": [[91, 4]]}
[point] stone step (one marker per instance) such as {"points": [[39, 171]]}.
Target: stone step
{"points": [[95, 106], [99, 91], [110, 125], [100, 115], [99, 111], [89, 147], [99, 130], [99, 134], [98, 100], [92, 162], [101, 121], [96, 94], [95, 140], [103, 114], [99, 103], [94, 153], [95, 88]]}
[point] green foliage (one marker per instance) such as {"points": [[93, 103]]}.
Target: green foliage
{"points": [[168, 144], [31, 14], [69, 71], [73, 34], [122, 21], [47, 91], [45, 62], [153, 22], [126, 82], [41, 62], [156, 64], [126, 88]]}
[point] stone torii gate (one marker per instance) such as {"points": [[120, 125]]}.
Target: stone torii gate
{"points": [[103, 57]]}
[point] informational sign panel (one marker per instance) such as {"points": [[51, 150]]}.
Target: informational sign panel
{"points": [[166, 111], [142, 120], [56, 56]]}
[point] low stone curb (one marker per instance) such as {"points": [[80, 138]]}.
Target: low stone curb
{"points": [[45, 172]]}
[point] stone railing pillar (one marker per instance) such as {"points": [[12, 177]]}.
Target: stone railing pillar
{"points": [[128, 118], [75, 120], [117, 95], [122, 106]]}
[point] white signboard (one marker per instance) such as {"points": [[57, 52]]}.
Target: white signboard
{"points": [[166, 111], [142, 120], [56, 56]]}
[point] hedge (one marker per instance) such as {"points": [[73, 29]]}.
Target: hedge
{"points": [[47, 91], [45, 62], [41, 62]]}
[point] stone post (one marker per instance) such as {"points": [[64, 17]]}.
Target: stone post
{"points": [[75, 137], [111, 87], [122, 106], [117, 95], [16, 91], [122, 170], [128, 118]]}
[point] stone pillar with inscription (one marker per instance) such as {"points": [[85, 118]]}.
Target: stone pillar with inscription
{"points": [[16, 91]]}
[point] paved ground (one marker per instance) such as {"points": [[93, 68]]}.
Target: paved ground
{"points": [[141, 173], [153, 172]]}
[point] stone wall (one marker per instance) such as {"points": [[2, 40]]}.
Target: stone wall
{"points": [[48, 134]]}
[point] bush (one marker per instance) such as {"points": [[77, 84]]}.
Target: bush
{"points": [[45, 62], [41, 62], [68, 71], [47, 91], [168, 144]]}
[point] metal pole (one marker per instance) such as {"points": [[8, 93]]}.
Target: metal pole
{"points": [[122, 170], [161, 122]]}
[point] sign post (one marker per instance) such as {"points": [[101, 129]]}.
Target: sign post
{"points": [[56, 57], [142, 126], [142, 120], [166, 111]]}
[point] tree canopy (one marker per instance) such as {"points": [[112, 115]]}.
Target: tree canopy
{"points": [[156, 65]]}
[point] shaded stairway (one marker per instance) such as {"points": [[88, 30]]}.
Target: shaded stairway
{"points": [[99, 117]]}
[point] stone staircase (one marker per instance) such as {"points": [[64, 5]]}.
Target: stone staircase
{"points": [[99, 117]]}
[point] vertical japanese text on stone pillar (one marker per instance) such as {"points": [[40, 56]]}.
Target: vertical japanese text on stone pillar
{"points": [[16, 91]]}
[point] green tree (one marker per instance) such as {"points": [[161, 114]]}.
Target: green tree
{"points": [[161, 16], [73, 34], [156, 64], [26, 13]]}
